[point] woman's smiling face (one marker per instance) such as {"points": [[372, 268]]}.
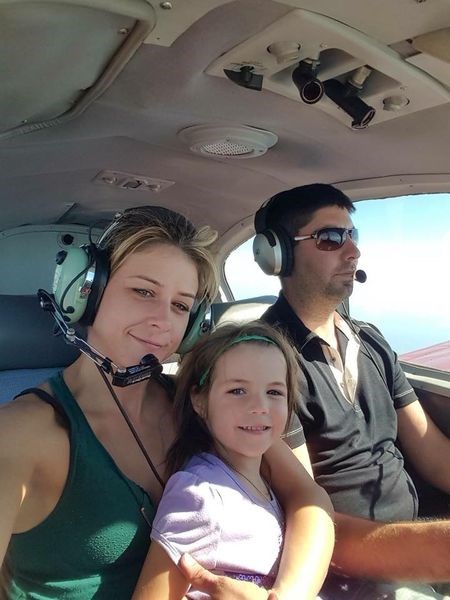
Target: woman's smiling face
{"points": [[146, 304]]}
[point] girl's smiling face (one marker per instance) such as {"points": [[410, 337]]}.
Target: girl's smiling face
{"points": [[246, 408]]}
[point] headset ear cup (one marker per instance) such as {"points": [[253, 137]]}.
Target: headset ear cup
{"points": [[66, 284], [272, 250], [197, 326], [78, 269], [100, 264], [267, 252]]}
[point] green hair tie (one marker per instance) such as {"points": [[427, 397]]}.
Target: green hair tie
{"points": [[242, 338]]}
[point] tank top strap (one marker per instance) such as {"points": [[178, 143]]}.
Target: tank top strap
{"points": [[62, 399], [47, 398], [65, 400]]}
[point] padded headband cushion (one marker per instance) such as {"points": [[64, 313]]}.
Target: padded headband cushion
{"points": [[272, 209], [100, 258], [261, 218]]}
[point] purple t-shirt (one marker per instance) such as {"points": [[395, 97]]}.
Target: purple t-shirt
{"points": [[208, 511]]}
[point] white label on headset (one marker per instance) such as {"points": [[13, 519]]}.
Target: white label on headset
{"points": [[56, 278]]}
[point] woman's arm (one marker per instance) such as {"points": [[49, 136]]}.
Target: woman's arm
{"points": [[220, 587], [309, 536], [19, 456], [161, 579]]}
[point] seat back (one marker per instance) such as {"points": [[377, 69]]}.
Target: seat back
{"points": [[29, 350]]}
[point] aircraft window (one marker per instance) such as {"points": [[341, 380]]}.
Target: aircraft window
{"points": [[405, 245], [245, 278]]}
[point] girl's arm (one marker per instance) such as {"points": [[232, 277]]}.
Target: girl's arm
{"points": [[306, 555], [160, 578], [309, 536]]}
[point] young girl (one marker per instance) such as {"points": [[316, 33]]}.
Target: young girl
{"points": [[235, 395]]}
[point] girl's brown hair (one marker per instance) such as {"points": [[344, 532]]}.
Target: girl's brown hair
{"points": [[196, 374]]}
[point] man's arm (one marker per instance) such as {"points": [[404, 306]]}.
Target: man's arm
{"points": [[425, 445], [408, 551]]}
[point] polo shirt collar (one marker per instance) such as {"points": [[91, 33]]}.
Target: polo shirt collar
{"points": [[282, 312]]}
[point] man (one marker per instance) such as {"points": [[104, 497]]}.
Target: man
{"points": [[355, 402]]}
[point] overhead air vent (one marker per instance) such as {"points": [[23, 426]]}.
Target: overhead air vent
{"points": [[129, 181], [366, 81], [221, 141]]}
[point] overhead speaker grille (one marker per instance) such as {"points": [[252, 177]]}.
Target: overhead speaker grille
{"points": [[233, 142]]}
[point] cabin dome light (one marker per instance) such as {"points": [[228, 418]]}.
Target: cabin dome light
{"points": [[224, 141], [395, 103]]}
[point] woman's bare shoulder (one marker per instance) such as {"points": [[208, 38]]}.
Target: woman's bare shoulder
{"points": [[26, 419]]}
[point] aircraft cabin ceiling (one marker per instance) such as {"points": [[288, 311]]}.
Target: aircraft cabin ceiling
{"points": [[113, 103]]}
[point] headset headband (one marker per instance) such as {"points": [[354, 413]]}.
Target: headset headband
{"points": [[262, 215]]}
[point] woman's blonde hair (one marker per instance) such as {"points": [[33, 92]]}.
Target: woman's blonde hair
{"points": [[196, 374], [143, 226]]}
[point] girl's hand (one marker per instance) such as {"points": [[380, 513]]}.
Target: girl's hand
{"points": [[220, 587]]}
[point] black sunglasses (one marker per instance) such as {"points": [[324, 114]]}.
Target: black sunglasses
{"points": [[330, 238]]}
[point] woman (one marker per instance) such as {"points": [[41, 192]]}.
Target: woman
{"points": [[78, 496]]}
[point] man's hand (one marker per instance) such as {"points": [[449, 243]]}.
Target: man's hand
{"points": [[220, 587]]}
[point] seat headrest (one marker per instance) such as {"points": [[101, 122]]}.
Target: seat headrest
{"points": [[240, 311], [27, 340]]}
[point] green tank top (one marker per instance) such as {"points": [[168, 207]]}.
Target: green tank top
{"points": [[94, 542]]}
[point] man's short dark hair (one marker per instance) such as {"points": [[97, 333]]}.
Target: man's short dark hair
{"points": [[293, 209]]}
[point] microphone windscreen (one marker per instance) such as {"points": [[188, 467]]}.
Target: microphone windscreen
{"points": [[360, 276]]}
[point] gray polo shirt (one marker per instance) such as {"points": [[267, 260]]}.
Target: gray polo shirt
{"points": [[353, 444]]}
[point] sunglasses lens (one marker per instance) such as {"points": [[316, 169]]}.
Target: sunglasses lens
{"points": [[330, 239], [353, 233]]}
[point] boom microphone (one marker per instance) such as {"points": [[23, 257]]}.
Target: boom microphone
{"points": [[121, 376], [360, 276]]}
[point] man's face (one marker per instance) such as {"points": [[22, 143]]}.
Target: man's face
{"points": [[325, 274]]}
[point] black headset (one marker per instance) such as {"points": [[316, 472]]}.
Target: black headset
{"points": [[273, 248], [82, 274]]}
